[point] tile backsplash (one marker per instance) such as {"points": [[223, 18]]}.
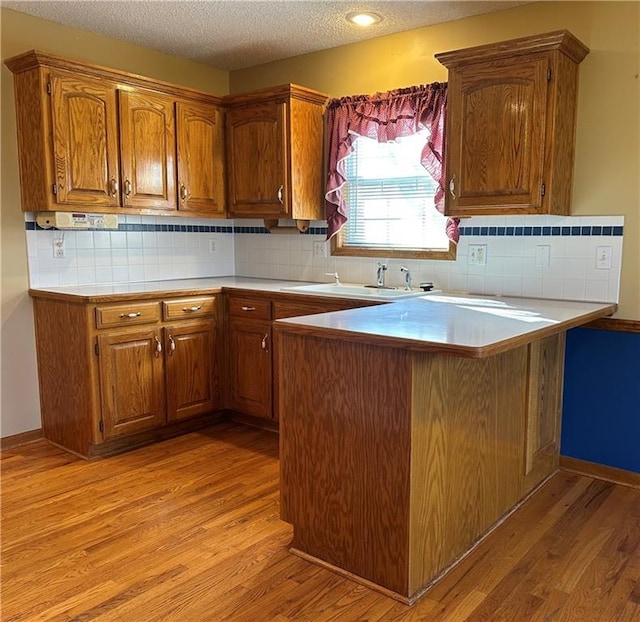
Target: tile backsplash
{"points": [[534, 256]]}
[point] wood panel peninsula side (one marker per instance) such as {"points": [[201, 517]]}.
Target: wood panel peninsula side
{"points": [[408, 431]]}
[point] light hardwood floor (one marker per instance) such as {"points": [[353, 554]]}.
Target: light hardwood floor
{"points": [[188, 531]]}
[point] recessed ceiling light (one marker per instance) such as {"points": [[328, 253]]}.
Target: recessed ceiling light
{"points": [[364, 19]]}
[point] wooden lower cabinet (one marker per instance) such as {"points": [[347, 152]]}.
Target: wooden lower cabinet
{"points": [[250, 367], [120, 373], [131, 371], [192, 383]]}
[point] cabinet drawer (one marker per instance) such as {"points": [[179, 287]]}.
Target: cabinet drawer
{"points": [[257, 308], [129, 313], [188, 307]]}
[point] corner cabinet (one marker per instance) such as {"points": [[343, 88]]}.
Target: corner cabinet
{"points": [[274, 153], [116, 374], [251, 358], [97, 139], [510, 128]]}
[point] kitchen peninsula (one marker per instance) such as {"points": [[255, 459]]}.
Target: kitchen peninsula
{"points": [[409, 430]]}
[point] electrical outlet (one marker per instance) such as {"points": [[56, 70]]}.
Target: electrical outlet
{"points": [[477, 254], [603, 257], [543, 252], [58, 248], [212, 245], [320, 249]]}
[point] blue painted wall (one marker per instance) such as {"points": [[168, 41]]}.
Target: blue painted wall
{"points": [[601, 411]]}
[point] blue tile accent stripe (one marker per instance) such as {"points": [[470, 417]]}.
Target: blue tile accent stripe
{"points": [[595, 230], [573, 231], [33, 226]]}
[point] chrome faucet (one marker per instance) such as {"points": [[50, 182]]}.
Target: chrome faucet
{"points": [[335, 275], [382, 271], [407, 278]]}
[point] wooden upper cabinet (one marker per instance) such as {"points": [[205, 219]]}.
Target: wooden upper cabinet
{"points": [[200, 147], [510, 128], [147, 145], [96, 139], [257, 160], [275, 153], [85, 140]]}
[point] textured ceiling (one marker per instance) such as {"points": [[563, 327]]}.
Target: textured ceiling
{"points": [[233, 34]]}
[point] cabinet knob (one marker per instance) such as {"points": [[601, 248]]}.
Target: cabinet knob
{"points": [[452, 187], [248, 308], [191, 309], [183, 192], [265, 343], [127, 187], [113, 186], [280, 190], [172, 345], [158, 347]]}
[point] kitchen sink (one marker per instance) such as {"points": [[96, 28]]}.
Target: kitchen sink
{"points": [[355, 290]]}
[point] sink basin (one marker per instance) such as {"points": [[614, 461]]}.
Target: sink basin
{"points": [[354, 290]]}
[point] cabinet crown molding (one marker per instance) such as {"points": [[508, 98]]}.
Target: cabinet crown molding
{"points": [[561, 40], [277, 93], [35, 59]]}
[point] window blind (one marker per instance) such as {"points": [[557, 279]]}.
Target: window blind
{"points": [[390, 197]]}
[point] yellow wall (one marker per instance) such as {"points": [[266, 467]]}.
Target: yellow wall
{"points": [[19, 405], [607, 167]]}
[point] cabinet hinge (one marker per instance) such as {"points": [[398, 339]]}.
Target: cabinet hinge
{"points": [[101, 426], [54, 189], [549, 75], [96, 349], [543, 189], [48, 88]]}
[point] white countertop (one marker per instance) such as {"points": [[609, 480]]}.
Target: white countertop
{"points": [[461, 324], [458, 323], [163, 287]]}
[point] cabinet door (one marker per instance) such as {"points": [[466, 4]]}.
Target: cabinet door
{"points": [[191, 370], [200, 158], [495, 139], [250, 367], [147, 147], [257, 160], [131, 382], [85, 141]]}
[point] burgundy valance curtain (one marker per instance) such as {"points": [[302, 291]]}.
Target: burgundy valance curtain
{"points": [[385, 117]]}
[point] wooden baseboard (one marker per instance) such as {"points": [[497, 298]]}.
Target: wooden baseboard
{"points": [[610, 323], [9, 442], [257, 422], [600, 471]]}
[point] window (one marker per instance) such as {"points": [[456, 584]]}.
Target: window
{"points": [[390, 201]]}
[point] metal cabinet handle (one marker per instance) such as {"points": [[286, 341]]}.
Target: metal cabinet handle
{"points": [[452, 187], [183, 192], [124, 316], [248, 308], [280, 190], [172, 345], [265, 343], [191, 309], [113, 186], [127, 187], [158, 347]]}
